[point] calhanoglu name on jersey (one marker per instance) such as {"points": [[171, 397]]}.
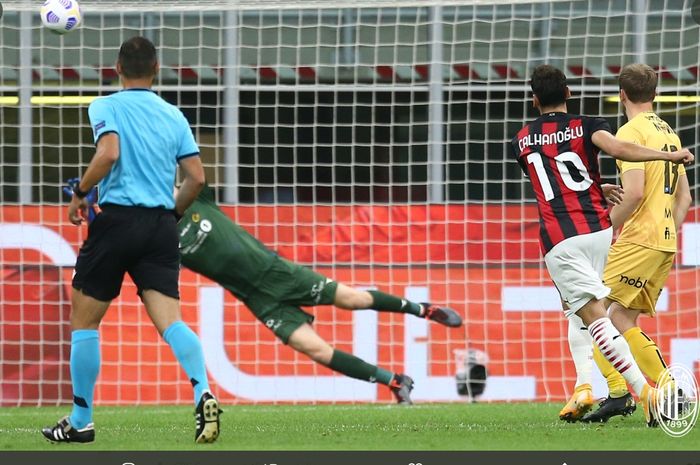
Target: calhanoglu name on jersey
{"points": [[553, 138]]}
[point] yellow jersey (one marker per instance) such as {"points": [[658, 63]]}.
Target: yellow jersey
{"points": [[651, 224]]}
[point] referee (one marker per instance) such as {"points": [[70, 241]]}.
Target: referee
{"points": [[140, 139]]}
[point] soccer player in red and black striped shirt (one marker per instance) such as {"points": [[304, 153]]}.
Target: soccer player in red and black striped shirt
{"points": [[559, 154]]}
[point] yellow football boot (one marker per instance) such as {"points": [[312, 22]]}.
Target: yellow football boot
{"points": [[580, 403]]}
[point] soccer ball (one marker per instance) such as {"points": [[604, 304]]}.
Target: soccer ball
{"points": [[61, 16]]}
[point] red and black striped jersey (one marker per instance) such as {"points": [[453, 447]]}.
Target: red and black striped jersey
{"points": [[556, 152]]}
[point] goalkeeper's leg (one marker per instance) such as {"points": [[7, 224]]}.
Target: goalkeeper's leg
{"points": [[349, 298], [305, 340]]}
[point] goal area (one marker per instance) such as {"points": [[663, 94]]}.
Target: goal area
{"points": [[365, 139]]}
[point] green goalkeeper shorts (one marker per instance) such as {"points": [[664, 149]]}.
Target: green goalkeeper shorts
{"points": [[286, 287]]}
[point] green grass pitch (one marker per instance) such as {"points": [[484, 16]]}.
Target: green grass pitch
{"points": [[346, 427]]}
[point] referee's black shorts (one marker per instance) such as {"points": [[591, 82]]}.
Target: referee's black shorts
{"points": [[140, 241]]}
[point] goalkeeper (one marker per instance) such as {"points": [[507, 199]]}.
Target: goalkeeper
{"points": [[274, 289]]}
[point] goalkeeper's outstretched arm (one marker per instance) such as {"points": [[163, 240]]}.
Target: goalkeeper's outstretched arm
{"points": [[106, 155]]}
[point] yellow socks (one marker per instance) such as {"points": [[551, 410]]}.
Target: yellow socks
{"points": [[646, 353], [617, 386]]}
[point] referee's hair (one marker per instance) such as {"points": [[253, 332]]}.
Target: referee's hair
{"points": [[639, 82], [549, 85], [137, 57]]}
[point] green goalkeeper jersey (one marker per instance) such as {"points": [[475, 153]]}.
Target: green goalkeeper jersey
{"points": [[213, 245]]}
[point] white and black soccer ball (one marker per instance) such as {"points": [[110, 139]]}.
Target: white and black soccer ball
{"points": [[61, 16]]}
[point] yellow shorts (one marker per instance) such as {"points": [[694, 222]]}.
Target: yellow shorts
{"points": [[636, 275]]}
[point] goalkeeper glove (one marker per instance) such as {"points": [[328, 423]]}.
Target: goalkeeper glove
{"points": [[91, 198]]}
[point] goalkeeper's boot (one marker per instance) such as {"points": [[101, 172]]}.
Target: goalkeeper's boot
{"points": [[207, 419], [579, 404], [610, 407], [63, 431], [443, 315], [401, 386]]}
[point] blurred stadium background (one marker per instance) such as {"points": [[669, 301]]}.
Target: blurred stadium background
{"points": [[365, 139]]}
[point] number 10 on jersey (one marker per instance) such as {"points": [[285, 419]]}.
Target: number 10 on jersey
{"points": [[571, 169]]}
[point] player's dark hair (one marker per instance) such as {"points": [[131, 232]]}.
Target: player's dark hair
{"points": [[639, 82], [549, 85], [137, 57]]}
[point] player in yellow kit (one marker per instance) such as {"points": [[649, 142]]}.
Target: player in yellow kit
{"points": [[656, 200]]}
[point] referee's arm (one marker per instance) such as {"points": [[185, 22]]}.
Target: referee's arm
{"points": [[193, 183], [106, 155]]}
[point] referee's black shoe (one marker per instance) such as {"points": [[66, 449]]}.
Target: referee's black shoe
{"points": [[611, 407], [206, 419], [63, 431]]}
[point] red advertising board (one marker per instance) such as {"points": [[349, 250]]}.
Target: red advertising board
{"points": [[445, 256]]}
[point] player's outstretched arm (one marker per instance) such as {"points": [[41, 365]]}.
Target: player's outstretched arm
{"points": [[192, 184], [628, 151]]}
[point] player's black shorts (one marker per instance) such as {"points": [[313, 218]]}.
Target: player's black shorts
{"points": [[140, 241]]}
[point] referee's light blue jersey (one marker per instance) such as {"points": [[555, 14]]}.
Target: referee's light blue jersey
{"points": [[153, 136]]}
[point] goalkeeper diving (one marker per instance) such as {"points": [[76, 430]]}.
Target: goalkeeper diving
{"points": [[275, 289]]}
